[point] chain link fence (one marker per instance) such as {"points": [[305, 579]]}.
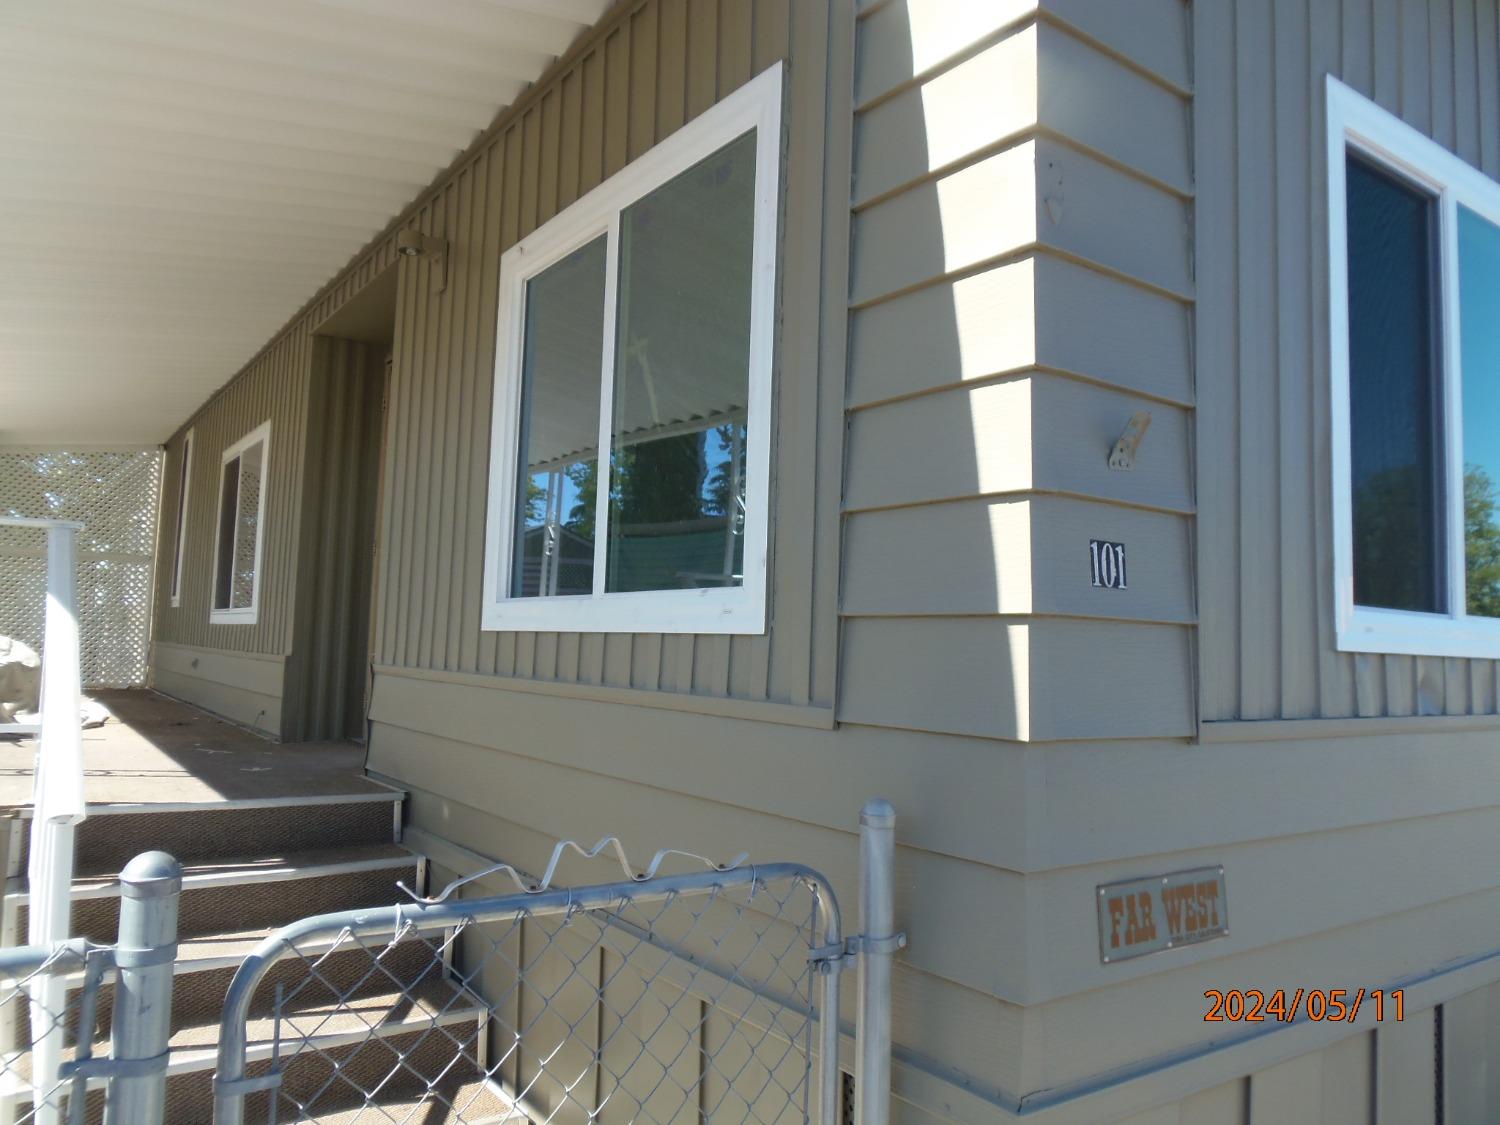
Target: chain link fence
{"points": [[114, 494], [706, 996], [48, 1023], [84, 1027], [671, 999]]}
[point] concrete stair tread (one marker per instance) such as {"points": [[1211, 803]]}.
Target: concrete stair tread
{"points": [[292, 865], [452, 1102], [377, 794], [434, 1002], [230, 947]]}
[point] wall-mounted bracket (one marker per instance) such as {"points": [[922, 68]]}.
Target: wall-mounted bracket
{"points": [[1122, 456]]}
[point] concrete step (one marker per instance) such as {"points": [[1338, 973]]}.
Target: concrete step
{"points": [[248, 893], [453, 1101], [335, 1055], [194, 832], [390, 1043], [203, 973]]}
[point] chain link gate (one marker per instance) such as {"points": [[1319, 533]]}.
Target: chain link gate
{"points": [[709, 996], [44, 992], [84, 1027]]}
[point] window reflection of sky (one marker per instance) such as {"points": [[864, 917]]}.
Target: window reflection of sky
{"points": [[1479, 302]]}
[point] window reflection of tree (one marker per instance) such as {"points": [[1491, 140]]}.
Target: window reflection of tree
{"points": [[1481, 543], [684, 492], [1394, 566]]}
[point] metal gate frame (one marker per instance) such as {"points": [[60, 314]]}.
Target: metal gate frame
{"points": [[49, 1009], [830, 953]]}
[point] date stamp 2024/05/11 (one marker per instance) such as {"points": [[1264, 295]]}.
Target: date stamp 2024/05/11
{"points": [[1254, 1005]]}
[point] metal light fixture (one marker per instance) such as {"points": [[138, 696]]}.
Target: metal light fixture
{"points": [[427, 248]]}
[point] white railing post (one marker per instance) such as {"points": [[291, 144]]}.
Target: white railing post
{"points": [[878, 942], [57, 802]]}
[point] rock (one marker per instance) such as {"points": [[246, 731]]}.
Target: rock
{"points": [[20, 679]]}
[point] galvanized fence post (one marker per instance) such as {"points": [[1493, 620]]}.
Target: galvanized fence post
{"points": [[878, 943], [150, 886]]}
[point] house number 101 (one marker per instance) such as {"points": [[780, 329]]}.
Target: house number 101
{"points": [[1107, 564]]}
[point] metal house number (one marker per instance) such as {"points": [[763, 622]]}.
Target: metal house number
{"points": [[1107, 564]]}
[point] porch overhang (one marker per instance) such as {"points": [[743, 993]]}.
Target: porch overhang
{"points": [[178, 178]]}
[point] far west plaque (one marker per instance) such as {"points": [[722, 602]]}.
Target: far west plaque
{"points": [[1160, 912]]}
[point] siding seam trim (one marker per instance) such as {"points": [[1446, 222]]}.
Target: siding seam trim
{"points": [[711, 706], [1039, 17], [1018, 617], [268, 657], [1216, 731], [1007, 142], [1017, 254], [1025, 737], [1046, 15], [1020, 371], [1020, 493], [970, 50]]}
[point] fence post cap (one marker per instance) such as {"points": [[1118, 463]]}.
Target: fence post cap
{"points": [[151, 875], [878, 813]]}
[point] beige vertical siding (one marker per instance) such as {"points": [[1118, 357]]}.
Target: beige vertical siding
{"points": [[327, 675], [1265, 567], [1471, 1046], [195, 659], [648, 72], [1021, 279], [274, 389]]}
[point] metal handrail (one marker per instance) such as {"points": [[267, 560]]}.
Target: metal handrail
{"points": [[57, 788]]}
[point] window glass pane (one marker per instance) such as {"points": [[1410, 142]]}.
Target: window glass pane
{"points": [[677, 464], [224, 556], [559, 433], [1395, 453], [1479, 300], [248, 519]]}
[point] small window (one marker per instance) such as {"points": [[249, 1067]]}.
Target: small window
{"points": [[630, 458], [179, 545], [241, 516], [1414, 266]]}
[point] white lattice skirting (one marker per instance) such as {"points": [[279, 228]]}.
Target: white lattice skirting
{"points": [[115, 496]]}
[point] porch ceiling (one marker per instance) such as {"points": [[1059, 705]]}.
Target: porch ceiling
{"points": [[177, 177]]}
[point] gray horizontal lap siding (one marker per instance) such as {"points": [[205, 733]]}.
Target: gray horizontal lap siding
{"points": [[1021, 285]]}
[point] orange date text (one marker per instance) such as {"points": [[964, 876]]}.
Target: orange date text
{"points": [[1283, 1005]]}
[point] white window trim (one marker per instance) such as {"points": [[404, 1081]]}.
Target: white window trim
{"points": [[1357, 124], [179, 555], [756, 105], [245, 615]]}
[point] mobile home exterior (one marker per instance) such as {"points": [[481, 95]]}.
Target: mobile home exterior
{"points": [[975, 241]]}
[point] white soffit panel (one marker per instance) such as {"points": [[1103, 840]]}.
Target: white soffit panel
{"points": [[178, 177]]}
